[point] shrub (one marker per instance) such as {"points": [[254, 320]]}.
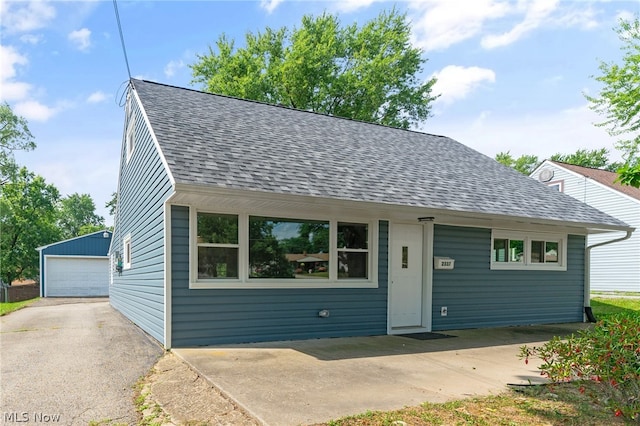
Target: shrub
{"points": [[608, 353]]}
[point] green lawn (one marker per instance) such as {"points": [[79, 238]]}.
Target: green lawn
{"points": [[8, 307], [604, 307]]}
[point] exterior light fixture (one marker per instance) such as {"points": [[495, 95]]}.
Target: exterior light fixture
{"points": [[105, 235], [426, 219]]}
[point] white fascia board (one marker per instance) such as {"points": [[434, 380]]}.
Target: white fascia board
{"points": [[236, 199]]}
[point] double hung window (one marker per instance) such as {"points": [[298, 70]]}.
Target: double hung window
{"points": [[218, 246]]}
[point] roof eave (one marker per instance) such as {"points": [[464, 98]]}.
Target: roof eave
{"points": [[201, 194]]}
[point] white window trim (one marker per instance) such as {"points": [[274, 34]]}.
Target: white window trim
{"points": [[244, 282], [527, 237], [130, 136], [127, 256], [558, 183]]}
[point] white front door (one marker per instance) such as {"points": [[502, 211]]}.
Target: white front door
{"points": [[406, 276]]}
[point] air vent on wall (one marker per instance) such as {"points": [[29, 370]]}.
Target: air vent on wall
{"points": [[545, 175]]}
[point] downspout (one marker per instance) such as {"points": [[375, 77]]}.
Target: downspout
{"points": [[587, 273]]}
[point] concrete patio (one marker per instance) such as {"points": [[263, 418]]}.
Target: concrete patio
{"points": [[313, 381]]}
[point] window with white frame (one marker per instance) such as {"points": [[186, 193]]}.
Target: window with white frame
{"points": [[217, 240], [524, 250], [126, 249], [246, 251], [353, 250]]}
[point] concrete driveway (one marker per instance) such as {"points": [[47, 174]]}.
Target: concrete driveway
{"points": [[313, 381], [71, 361]]}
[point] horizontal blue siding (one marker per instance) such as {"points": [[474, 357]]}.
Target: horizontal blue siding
{"points": [[476, 296], [144, 187], [210, 316]]}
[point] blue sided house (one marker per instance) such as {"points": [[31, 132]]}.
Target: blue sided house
{"points": [[239, 221]]}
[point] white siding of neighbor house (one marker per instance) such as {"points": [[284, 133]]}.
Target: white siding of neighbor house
{"points": [[614, 267]]}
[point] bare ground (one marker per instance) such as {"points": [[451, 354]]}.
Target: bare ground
{"points": [[174, 394]]}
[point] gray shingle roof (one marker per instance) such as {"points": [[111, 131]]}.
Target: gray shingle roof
{"points": [[226, 142]]}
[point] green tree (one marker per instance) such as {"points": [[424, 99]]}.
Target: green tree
{"points": [[368, 73], [596, 159], [525, 164], [14, 135], [27, 221], [267, 258], [112, 204], [619, 100], [77, 216]]}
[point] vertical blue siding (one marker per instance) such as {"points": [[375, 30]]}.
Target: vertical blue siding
{"points": [[144, 187], [477, 296], [210, 316]]}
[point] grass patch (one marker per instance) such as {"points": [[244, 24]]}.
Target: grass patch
{"points": [[537, 405], [149, 412], [605, 307], [8, 307]]}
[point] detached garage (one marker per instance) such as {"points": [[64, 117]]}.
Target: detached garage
{"points": [[78, 267]]}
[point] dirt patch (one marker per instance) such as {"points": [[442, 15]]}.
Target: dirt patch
{"points": [[174, 394]]}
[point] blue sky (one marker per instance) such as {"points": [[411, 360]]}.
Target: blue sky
{"points": [[512, 74]]}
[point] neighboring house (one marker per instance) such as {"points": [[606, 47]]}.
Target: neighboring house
{"points": [[422, 233], [614, 267], [78, 267]]}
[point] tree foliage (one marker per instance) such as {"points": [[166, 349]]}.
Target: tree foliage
{"points": [[526, 164], [28, 221], [619, 100], [595, 159], [112, 204], [368, 73], [77, 216], [14, 135]]}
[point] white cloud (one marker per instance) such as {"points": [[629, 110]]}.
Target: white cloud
{"points": [[625, 15], [582, 16], [455, 82], [439, 24], [34, 110], [542, 134], [173, 66], [97, 97], [31, 38], [81, 39], [347, 6], [10, 59], [536, 13], [270, 5], [23, 17], [14, 90]]}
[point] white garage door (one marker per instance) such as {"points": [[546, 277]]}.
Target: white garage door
{"points": [[73, 276]]}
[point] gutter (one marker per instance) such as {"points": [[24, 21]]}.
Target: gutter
{"points": [[587, 273]]}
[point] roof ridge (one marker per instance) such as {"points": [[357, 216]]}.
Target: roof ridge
{"points": [[582, 167], [287, 107]]}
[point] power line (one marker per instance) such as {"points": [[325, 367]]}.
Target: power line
{"points": [[124, 49]]}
